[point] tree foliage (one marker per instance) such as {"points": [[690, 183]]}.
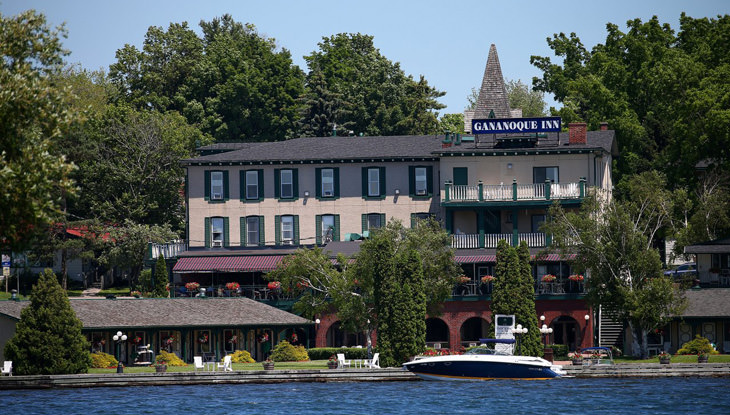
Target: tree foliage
{"points": [[381, 99], [514, 293], [162, 282], [33, 177], [531, 101], [48, 339], [665, 94]]}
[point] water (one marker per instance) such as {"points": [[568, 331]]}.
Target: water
{"points": [[559, 396]]}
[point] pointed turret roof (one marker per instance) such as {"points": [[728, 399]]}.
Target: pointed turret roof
{"points": [[492, 94]]}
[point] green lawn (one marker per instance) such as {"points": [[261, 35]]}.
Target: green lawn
{"points": [[6, 296], [314, 364]]}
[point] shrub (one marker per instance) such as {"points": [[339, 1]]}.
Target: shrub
{"points": [[286, 352], [560, 351], [699, 345], [103, 360], [324, 353], [170, 358], [242, 356]]}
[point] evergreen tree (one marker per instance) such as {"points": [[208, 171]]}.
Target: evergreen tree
{"points": [[321, 109], [514, 293], [48, 337], [161, 279]]}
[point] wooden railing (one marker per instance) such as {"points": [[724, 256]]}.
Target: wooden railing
{"points": [[471, 241], [513, 192]]}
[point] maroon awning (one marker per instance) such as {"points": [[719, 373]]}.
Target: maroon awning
{"points": [[227, 263], [473, 259]]}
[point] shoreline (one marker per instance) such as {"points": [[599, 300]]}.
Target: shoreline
{"points": [[646, 370]]}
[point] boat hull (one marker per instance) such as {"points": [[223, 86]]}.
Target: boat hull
{"points": [[475, 369]]}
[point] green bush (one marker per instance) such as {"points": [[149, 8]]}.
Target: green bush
{"points": [[102, 360], [170, 358], [286, 352], [699, 345], [242, 356], [324, 353], [560, 351]]}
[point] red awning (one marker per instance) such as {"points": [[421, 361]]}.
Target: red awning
{"points": [[473, 259], [227, 263], [555, 257]]}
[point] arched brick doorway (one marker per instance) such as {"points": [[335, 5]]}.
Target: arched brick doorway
{"points": [[338, 337], [472, 330], [566, 331], [437, 333]]}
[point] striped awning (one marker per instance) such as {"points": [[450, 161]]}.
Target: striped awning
{"points": [[227, 263], [474, 259], [554, 257]]}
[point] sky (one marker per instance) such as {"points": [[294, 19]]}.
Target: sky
{"points": [[446, 42]]}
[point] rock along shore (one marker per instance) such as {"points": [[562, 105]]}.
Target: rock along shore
{"points": [[646, 370]]}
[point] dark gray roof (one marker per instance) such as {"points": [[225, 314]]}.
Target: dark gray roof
{"points": [[170, 313], [347, 248], [707, 303], [331, 148], [718, 246]]}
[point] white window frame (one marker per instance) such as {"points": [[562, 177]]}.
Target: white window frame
{"points": [[286, 184], [287, 229], [216, 185], [421, 174], [216, 232], [373, 182], [328, 182], [252, 231], [252, 184]]}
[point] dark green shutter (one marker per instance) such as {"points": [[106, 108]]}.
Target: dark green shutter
{"points": [[381, 178], [226, 194], [413, 220], [261, 184], [295, 183], [382, 220], [262, 238], [277, 230], [207, 232], [277, 183], [364, 182], [242, 185], [336, 233], [318, 229], [242, 228], [318, 183], [429, 180], [364, 222], [336, 175], [226, 234], [295, 222], [411, 181], [207, 185]]}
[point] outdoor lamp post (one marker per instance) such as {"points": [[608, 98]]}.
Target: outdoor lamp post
{"points": [[519, 331], [546, 331], [119, 338]]}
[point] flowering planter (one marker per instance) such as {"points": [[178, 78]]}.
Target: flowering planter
{"points": [[161, 369], [268, 365]]}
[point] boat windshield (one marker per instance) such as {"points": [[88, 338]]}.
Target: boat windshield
{"points": [[485, 350]]}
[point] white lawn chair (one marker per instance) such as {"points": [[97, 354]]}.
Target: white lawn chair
{"points": [[341, 362], [198, 361], [8, 368], [374, 363], [226, 365]]}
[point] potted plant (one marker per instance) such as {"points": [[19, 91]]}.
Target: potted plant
{"points": [[136, 294], [702, 357], [161, 366], [332, 362], [268, 364], [233, 286], [549, 278], [576, 358], [665, 358], [192, 286], [487, 279], [576, 278]]}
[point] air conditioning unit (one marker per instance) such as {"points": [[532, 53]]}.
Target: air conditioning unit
{"points": [[327, 193], [421, 192], [217, 244], [216, 196]]}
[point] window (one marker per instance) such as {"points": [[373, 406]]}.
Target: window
{"points": [[420, 181], [418, 217], [373, 182], [216, 186], [216, 232], [252, 230], [286, 184], [540, 174], [372, 221], [328, 183], [252, 184], [287, 229], [461, 176]]}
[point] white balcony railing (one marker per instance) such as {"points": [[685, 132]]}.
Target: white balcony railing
{"points": [[168, 250], [512, 192], [471, 241]]}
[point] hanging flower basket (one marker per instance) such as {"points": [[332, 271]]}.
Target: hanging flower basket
{"points": [[203, 338], [487, 279], [548, 278], [576, 278], [463, 279], [274, 285], [233, 286], [192, 286]]}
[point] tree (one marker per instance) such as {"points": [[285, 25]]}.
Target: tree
{"points": [[48, 338], [321, 109], [532, 102], [513, 294], [162, 282], [453, 123], [612, 240], [382, 99], [33, 177]]}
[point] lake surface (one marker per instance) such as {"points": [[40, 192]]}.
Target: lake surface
{"points": [[558, 396]]}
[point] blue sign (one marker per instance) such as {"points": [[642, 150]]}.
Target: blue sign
{"points": [[515, 125]]}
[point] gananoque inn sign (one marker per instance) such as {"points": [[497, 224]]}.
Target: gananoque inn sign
{"points": [[515, 125]]}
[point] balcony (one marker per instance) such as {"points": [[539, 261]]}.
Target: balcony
{"points": [[168, 250], [472, 241], [562, 286], [482, 193]]}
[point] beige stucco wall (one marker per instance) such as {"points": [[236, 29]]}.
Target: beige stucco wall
{"points": [[350, 205]]}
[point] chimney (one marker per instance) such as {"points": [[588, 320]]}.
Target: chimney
{"points": [[604, 126], [577, 133]]}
